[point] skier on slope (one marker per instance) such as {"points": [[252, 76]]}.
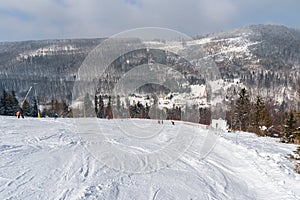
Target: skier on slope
{"points": [[20, 113]]}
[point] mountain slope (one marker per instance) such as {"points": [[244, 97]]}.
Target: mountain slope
{"points": [[263, 58], [48, 160], [52, 64]]}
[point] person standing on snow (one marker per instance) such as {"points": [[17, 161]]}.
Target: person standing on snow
{"points": [[20, 113]]}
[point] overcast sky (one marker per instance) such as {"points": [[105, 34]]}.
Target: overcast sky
{"points": [[49, 19]]}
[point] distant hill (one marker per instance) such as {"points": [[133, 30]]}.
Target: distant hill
{"points": [[263, 58], [52, 64]]}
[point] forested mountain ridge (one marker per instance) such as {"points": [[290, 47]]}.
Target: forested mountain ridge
{"points": [[263, 58], [52, 64]]}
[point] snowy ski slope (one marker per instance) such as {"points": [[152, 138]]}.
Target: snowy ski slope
{"points": [[48, 159]]}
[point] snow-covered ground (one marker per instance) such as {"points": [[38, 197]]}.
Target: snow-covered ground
{"points": [[49, 159]]}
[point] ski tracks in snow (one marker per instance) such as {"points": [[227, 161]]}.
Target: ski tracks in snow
{"points": [[46, 159], [33, 158]]}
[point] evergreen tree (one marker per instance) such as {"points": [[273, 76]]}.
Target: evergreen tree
{"points": [[108, 110], [174, 113], [53, 109], [259, 116], [14, 103], [133, 111], [139, 111], [204, 116], [258, 111], [96, 104], [289, 128], [147, 110], [34, 111], [100, 113], [9, 104], [118, 103], [3, 103], [242, 110], [119, 109], [26, 108], [230, 114], [139, 108]]}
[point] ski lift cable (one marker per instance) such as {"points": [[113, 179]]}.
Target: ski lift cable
{"points": [[26, 96], [39, 115]]}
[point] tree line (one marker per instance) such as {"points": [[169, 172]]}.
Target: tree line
{"points": [[9, 106], [263, 117], [244, 113]]}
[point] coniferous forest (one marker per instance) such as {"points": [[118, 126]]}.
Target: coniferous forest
{"points": [[244, 113], [10, 105]]}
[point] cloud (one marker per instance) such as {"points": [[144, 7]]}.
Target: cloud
{"points": [[218, 11], [31, 19]]}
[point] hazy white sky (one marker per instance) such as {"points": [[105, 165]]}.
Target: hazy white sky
{"points": [[45, 19]]}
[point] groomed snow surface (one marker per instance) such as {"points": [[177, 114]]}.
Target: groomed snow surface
{"points": [[48, 159]]}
